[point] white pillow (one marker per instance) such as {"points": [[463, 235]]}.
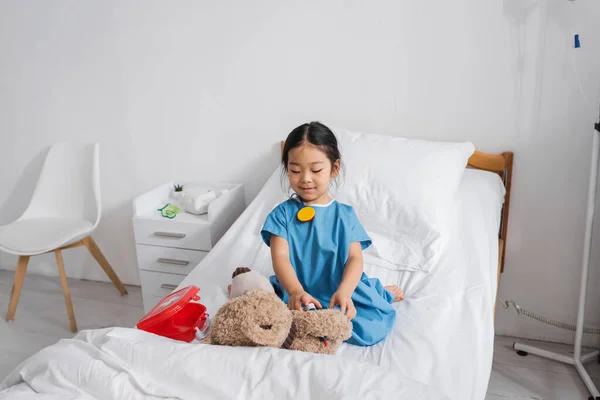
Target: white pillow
{"points": [[402, 191]]}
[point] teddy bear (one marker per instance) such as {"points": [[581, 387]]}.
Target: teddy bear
{"points": [[256, 316]]}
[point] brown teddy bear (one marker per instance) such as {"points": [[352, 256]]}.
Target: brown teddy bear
{"points": [[257, 317]]}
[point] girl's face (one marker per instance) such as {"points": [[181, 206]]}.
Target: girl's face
{"points": [[310, 173]]}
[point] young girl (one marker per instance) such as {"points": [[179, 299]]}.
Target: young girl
{"points": [[316, 243]]}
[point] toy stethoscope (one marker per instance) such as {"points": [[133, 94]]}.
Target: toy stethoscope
{"points": [[306, 213]]}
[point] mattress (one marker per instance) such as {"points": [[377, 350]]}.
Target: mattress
{"points": [[440, 347], [444, 332]]}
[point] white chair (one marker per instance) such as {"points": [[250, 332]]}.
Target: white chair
{"points": [[64, 210]]}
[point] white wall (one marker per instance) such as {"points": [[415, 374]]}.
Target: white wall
{"points": [[205, 90], [60, 79]]}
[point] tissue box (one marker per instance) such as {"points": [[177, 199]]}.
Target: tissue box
{"points": [[196, 200]]}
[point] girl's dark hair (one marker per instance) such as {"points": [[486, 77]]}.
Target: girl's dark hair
{"points": [[316, 134]]}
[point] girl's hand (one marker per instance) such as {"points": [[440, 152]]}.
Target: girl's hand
{"points": [[301, 297], [344, 300]]}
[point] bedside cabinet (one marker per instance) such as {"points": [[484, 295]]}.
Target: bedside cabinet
{"points": [[168, 249]]}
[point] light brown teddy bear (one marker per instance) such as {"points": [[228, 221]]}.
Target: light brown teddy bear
{"points": [[257, 317]]}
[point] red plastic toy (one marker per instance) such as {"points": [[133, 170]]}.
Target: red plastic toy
{"points": [[176, 316]]}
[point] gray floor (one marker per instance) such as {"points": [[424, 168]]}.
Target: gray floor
{"points": [[41, 317], [41, 320], [532, 377]]}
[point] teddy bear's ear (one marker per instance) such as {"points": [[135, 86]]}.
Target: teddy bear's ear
{"points": [[239, 271], [268, 321]]}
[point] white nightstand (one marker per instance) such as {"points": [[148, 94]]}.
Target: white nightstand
{"points": [[168, 249]]}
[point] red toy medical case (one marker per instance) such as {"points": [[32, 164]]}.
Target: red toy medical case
{"points": [[176, 316]]}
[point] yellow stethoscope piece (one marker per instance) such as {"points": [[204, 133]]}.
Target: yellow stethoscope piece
{"points": [[306, 214]]}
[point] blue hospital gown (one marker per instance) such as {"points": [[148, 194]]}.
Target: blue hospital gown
{"points": [[318, 253]]}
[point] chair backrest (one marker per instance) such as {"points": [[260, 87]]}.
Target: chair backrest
{"points": [[69, 185]]}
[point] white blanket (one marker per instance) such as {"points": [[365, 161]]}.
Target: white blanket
{"points": [[440, 348], [119, 363]]}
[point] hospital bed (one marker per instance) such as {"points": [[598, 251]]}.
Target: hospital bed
{"points": [[440, 347]]}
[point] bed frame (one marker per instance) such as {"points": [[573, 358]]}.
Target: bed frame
{"points": [[501, 164]]}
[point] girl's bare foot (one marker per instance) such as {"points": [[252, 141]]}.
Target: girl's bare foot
{"points": [[396, 292]]}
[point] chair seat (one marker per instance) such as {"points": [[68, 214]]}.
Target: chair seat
{"points": [[40, 235]]}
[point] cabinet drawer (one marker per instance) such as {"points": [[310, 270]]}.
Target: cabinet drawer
{"points": [[167, 259], [172, 234], [159, 284]]}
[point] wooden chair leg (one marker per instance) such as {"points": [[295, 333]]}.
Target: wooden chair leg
{"points": [[97, 254], [65, 287], [16, 288]]}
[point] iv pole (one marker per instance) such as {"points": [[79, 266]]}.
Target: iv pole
{"points": [[577, 359]]}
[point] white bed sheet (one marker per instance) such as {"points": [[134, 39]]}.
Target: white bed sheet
{"points": [[440, 348]]}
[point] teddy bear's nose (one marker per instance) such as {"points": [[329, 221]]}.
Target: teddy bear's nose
{"points": [[266, 327]]}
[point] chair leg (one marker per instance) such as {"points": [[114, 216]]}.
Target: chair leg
{"points": [[16, 288], [65, 287], [97, 254]]}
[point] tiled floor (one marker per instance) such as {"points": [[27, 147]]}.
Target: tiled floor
{"points": [[41, 320]]}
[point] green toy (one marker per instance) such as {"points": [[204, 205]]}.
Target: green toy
{"points": [[169, 211]]}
